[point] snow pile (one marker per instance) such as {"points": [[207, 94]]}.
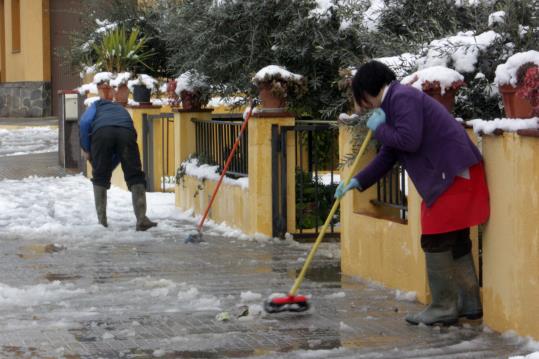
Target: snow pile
{"points": [[146, 80], [275, 72], [120, 79], [441, 74], [103, 77], [90, 100], [504, 124], [204, 171], [16, 142], [87, 88], [250, 296], [507, 73], [462, 50], [37, 294], [497, 17], [405, 296]]}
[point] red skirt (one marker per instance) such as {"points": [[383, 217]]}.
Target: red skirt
{"points": [[464, 204]]}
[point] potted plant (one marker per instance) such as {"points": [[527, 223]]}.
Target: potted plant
{"points": [[193, 89], [142, 88], [102, 81], [510, 80], [529, 88], [439, 82], [119, 52], [119, 85], [276, 84]]}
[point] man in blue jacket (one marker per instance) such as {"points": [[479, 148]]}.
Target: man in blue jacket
{"points": [[108, 137]]}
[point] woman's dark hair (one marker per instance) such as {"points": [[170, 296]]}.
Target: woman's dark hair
{"points": [[370, 78]]}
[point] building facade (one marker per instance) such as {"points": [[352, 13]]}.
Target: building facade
{"points": [[32, 34]]}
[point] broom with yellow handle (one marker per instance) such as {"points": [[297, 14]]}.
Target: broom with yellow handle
{"points": [[298, 303]]}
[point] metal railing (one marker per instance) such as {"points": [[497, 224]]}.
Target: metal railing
{"points": [[391, 191], [215, 139]]}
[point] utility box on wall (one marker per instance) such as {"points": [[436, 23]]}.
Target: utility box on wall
{"points": [[71, 107]]}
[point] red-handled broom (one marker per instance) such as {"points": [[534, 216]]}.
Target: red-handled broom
{"points": [[299, 303], [197, 237]]}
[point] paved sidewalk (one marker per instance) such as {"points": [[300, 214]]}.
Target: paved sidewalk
{"points": [[29, 121], [159, 297]]}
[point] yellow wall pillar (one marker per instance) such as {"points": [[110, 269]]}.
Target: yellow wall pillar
{"points": [[511, 236], [260, 168], [375, 247]]}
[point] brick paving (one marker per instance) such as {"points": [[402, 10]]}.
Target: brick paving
{"points": [[159, 297]]}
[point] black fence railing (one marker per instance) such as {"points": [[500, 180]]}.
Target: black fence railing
{"points": [[215, 139], [391, 191]]}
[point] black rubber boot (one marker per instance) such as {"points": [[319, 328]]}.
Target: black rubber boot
{"points": [[469, 299], [100, 197], [441, 274], [138, 195]]}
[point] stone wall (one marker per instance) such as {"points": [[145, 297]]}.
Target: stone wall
{"points": [[25, 99]]}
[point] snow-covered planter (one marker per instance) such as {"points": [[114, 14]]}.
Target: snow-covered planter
{"points": [[142, 88], [439, 82], [510, 78], [102, 81], [119, 84], [193, 90], [276, 84]]}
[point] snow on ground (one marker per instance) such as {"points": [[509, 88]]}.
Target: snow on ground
{"points": [[21, 141]]}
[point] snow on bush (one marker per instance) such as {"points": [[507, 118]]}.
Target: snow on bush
{"points": [[191, 81], [506, 74], [462, 50]]}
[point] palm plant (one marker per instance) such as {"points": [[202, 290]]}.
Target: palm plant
{"points": [[119, 51]]}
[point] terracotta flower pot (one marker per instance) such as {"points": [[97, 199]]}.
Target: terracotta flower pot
{"points": [[190, 100], [121, 94], [447, 99], [514, 105], [107, 92], [269, 99], [171, 93]]}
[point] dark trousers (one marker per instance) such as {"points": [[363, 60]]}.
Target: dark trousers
{"points": [[120, 142], [457, 241]]}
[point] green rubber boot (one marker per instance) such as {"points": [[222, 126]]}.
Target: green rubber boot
{"points": [[469, 300], [138, 195], [100, 197], [441, 274]]}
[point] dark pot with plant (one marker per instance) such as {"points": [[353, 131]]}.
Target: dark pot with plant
{"points": [[276, 85], [142, 88], [193, 89]]}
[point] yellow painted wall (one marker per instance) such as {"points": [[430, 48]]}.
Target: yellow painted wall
{"points": [[231, 204], [511, 237], [378, 249], [32, 63]]}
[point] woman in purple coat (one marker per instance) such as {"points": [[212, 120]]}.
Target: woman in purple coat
{"points": [[447, 171]]}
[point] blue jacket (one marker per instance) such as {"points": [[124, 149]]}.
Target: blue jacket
{"points": [[102, 113], [425, 138]]}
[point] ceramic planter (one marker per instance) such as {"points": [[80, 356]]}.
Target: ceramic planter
{"points": [[141, 94], [268, 98], [121, 94], [514, 105]]}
